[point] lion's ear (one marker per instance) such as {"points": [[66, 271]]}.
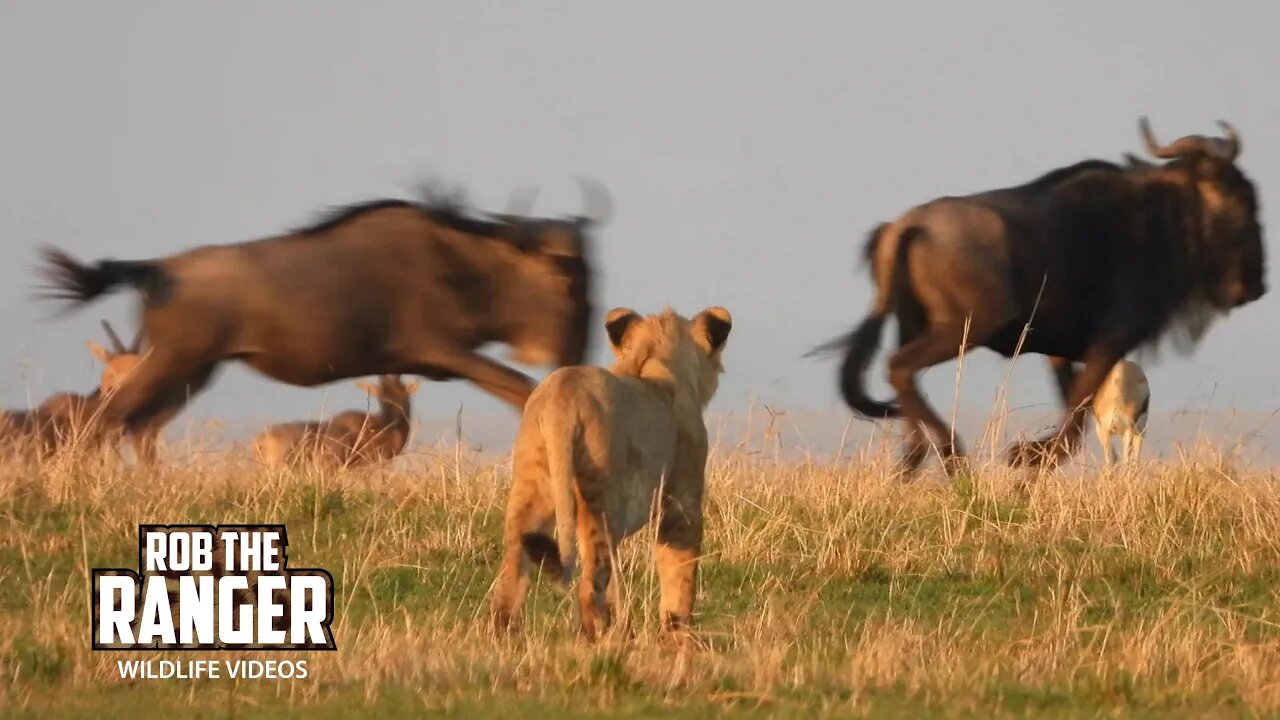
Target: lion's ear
{"points": [[617, 323], [712, 327]]}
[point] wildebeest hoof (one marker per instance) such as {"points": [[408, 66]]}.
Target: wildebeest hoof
{"points": [[503, 625], [955, 465], [593, 631], [623, 629], [904, 471], [682, 640], [909, 464], [1036, 453]]}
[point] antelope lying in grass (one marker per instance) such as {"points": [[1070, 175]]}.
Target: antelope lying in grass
{"points": [[35, 430], [55, 421], [346, 439], [1120, 406]]}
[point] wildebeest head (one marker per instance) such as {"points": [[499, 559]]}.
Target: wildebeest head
{"points": [[552, 304], [1228, 250]]}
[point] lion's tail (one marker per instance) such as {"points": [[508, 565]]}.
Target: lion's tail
{"points": [[561, 443], [564, 489]]}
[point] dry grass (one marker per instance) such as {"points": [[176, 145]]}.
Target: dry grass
{"points": [[825, 590]]}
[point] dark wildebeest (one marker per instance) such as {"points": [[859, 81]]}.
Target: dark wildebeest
{"points": [[1092, 260], [381, 287]]}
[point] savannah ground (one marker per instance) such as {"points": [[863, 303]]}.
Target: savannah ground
{"points": [[827, 590]]}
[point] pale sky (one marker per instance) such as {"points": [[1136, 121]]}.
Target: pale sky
{"points": [[748, 152]]}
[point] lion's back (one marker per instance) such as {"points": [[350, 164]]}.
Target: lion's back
{"points": [[599, 404], [619, 430], [571, 390]]}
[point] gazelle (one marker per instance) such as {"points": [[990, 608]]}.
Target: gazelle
{"points": [[348, 438], [1120, 406], [55, 420], [117, 363]]}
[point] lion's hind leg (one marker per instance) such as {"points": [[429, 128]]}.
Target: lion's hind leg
{"points": [[676, 555], [595, 602], [526, 536]]}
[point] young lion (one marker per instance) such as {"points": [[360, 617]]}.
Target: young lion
{"points": [[596, 447]]}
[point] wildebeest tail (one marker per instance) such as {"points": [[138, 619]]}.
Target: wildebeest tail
{"points": [[873, 242], [561, 556], [861, 344], [70, 279], [868, 256]]}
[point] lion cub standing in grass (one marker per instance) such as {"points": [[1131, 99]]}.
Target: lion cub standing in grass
{"points": [[600, 453]]}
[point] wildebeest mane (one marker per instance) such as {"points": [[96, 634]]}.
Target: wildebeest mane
{"points": [[1062, 174], [342, 214], [1171, 251], [446, 209]]}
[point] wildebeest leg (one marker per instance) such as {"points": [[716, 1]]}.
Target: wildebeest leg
{"points": [[1064, 373], [159, 383], [938, 344], [146, 435], [495, 378], [146, 438], [917, 448], [144, 446], [1049, 450]]}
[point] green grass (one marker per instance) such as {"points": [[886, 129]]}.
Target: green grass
{"points": [[826, 591]]}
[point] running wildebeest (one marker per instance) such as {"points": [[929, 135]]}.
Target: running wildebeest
{"points": [[1083, 264], [381, 287]]}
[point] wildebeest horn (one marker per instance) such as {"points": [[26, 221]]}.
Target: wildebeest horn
{"points": [[1153, 147], [1230, 144], [1136, 162], [116, 346], [597, 204], [1191, 145]]}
